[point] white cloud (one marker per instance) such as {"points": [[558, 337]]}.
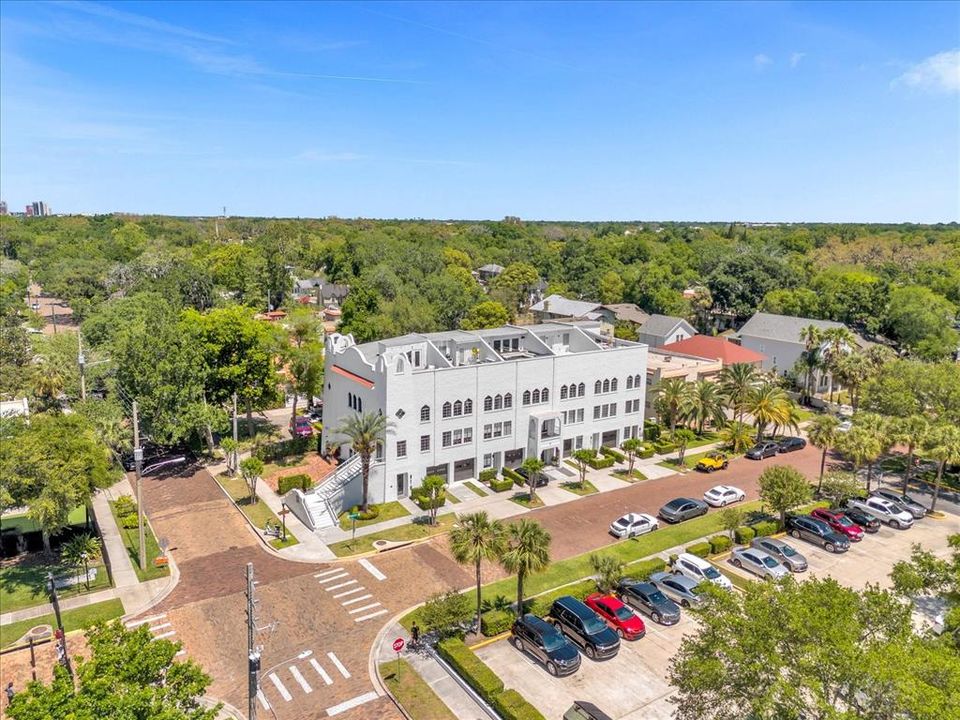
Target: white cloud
{"points": [[795, 58], [938, 73], [760, 61]]}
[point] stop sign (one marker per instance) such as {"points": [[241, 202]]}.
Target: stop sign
{"points": [[398, 645]]}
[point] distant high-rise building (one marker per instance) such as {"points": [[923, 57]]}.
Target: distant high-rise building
{"points": [[3, 208], [28, 211], [38, 209]]}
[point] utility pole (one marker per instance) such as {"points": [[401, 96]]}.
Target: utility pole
{"points": [[82, 362], [61, 634], [138, 467], [253, 653], [236, 452]]}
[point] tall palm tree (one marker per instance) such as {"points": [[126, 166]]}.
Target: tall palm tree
{"points": [[853, 370], [861, 445], [475, 538], [839, 341], [768, 403], [879, 427], [365, 431], [912, 432], [48, 384], [528, 551], [810, 360], [737, 434], [736, 383], [704, 404], [823, 435], [670, 397], [943, 445]]}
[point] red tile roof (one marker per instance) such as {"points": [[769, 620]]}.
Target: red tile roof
{"points": [[715, 348]]}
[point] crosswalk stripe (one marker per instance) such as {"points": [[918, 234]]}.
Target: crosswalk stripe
{"points": [[337, 587], [135, 623], [325, 580], [181, 652], [160, 627], [372, 569], [336, 661], [328, 572], [351, 591], [371, 615], [300, 679], [365, 607], [164, 635], [352, 703], [320, 671], [351, 601], [284, 693], [262, 699]]}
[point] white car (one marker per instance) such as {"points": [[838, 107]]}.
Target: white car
{"points": [[845, 426], [722, 495], [633, 524], [759, 563], [893, 514], [696, 568]]}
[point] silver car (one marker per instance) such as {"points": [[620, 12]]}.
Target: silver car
{"points": [[784, 552], [759, 563], [678, 588]]}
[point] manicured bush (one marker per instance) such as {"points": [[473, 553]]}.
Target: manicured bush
{"points": [[487, 475], [700, 549], [300, 481], [130, 521], [644, 569], [470, 668], [744, 534], [766, 527], [372, 513], [124, 505], [541, 604], [672, 560], [501, 485], [651, 432], [615, 454], [494, 622], [719, 544], [599, 463], [511, 705], [514, 476], [425, 503], [647, 452], [663, 448]]}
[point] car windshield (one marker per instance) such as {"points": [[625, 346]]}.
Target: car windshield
{"points": [[656, 597], [553, 640], [676, 504], [711, 573], [593, 625], [622, 522], [787, 550], [845, 521], [769, 562], [623, 613]]}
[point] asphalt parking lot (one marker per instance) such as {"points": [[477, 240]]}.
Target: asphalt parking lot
{"points": [[633, 685]]}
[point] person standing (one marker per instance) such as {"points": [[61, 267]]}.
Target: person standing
{"points": [[10, 693], [415, 634]]}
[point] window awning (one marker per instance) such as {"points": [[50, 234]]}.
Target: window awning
{"points": [[352, 376]]}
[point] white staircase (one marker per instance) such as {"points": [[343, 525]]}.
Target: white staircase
{"points": [[320, 507]]}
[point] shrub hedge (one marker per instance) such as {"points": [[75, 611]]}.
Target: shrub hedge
{"points": [[651, 432], [719, 544], [282, 448], [766, 527], [373, 512], [494, 622], [511, 705], [501, 485], [646, 453], [599, 463], [663, 448], [300, 481], [130, 521], [644, 569], [487, 475], [611, 452], [700, 549], [425, 503], [470, 668], [744, 534], [124, 505]]}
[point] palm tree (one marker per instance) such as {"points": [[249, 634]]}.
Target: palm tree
{"points": [[365, 432], [879, 428], [823, 435], [861, 445], [853, 370], [48, 384], [810, 360], [528, 551], [704, 404], [533, 466], [912, 432], [80, 551], [943, 445], [475, 538], [768, 403], [736, 383], [737, 434], [839, 341], [670, 396]]}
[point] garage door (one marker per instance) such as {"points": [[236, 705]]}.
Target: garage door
{"points": [[441, 470], [464, 470]]}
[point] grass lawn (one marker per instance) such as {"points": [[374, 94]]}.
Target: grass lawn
{"points": [[574, 486], [412, 692], [737, 579], [388, 511], [476, 488], [806, 413], [690, 460], [77, 516], [705, 439], [77, 619], [131, 540], [453, 499], [524, 500], [258, 513], [413, 531], [622, 475], [25, 584]]}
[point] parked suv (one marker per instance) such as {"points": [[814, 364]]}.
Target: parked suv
{"points": [[839, 522], [862, 518], [696, 568], [546, 643], [646, 598], [818, 532], [884, 510], [910, 505], [784, 552], [587, 629]]}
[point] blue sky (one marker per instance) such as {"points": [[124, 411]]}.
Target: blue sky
{"points": [[746, 111]]}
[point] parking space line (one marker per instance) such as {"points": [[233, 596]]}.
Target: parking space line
{"points": [[321, 672], [351, 601], [351, 591], [336, 661], [365, 607], [262, 699], [284, 693], [328, 572], [135, 623], [372, 570], [371, 615], [352, 703], [325, 580], [298, 676], [341, 585]]}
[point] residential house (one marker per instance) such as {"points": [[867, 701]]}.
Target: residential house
{"points": [[557, 307], [624, 313], [662, 365], [716, 348], [662, 329], [489, 271]]}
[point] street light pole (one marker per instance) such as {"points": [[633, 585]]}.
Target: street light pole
{"points": [[55, 601], [253, 654], [138, 467]]}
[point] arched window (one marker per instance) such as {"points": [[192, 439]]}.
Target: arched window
{"points": [[629, 382], [613, 385], [497, 402], [359, 405], [526, 397], [447, 408], [563, 392], [400, 361], [597, 387], [468, 407], [488, 403], [536, 397], [606, 386], [636, 381], [545, 395], [583, 390], [350, 401], [508, 400], [425, 413], [457, 409]]}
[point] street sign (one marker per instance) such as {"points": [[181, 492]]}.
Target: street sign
{"points": [[398, 645]]}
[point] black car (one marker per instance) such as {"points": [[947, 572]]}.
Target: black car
{"points": [[861, 517], [789, 444], [152, 454], [541, 480], [546, 643], [646, 598], [804, 527], [680, 509], [763, 449], [588, 630]]}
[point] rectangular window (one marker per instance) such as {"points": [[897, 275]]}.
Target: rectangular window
{"points": [[416, 359], [487, 432], [401, 448], [457, 437], [487, 461], [596, 412], [424, 443], [613, 409], [579, 441], [445, 438], [580, 415], [468, 435], [508, 428], [379, 454]]}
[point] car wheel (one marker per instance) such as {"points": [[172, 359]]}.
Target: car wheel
{"points": [[655, 617], [723, 503], [591, 653], [828, 547], [725, 465], [675, 571], [895, 524], [737, 563], [518, 644], [620, 633], [795, 533], [685, 603], [552, 669], [710, 468]]}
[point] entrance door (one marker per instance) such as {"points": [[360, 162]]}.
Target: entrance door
{"points": [[567, 447], [403, 487]]}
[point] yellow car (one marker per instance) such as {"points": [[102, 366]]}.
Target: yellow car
{"points": [[713, 461]]}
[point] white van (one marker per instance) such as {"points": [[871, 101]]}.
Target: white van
{"points": [[700, 570]]}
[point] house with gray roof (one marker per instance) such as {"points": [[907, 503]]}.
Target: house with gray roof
{"points": [[659, 330], [778, 338], [489, 271], [554, 307]]}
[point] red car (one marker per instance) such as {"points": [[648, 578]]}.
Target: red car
{"points": [[839, 523], [619, 617], [300, 427]]}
